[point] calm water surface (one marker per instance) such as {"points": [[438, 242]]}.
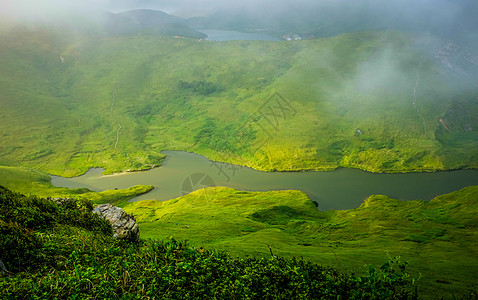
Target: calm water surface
{"points": [[184, 172], [224, 35]]}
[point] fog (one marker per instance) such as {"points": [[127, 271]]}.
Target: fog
{"points": [[451, 20], [446, 12]]}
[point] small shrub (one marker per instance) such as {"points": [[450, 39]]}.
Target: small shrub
{"points": [[20, 248]]}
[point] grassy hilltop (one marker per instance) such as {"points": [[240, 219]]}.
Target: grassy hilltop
{"points": [[377, 101]]}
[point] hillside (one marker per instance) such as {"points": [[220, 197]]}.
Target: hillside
{"points": [[151, 18], [438, 239], [152, 21], [245, 225], [379, 101], [454, 20], [52, 251]]}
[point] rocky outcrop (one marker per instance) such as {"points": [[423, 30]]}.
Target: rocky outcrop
{"points": [[124, 225], [3, 269]]}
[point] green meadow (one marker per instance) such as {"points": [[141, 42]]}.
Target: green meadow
{"points": [[66, 252], [436, 238]]}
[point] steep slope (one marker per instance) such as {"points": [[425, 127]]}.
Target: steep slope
{"points": [[149, 17], [51, 251], [153, 21], [378, 101]]}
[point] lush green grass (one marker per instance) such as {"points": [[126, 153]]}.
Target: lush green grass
{"points": [[38, 183], [438, 238], [66, 252], [117, 102]]}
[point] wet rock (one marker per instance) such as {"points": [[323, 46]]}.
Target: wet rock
{"points": [[124, 225]]}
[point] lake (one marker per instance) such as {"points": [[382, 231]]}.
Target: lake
{"points": [[183, 172], [224, 35]]}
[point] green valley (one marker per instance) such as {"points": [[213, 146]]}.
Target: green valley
{"points": [[117, 102], [385, 87], [436, 239]]}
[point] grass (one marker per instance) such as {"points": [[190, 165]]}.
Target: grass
{"points": [[438, 238], [66, 251], [117, 102], [34, 182], [345, 101]]}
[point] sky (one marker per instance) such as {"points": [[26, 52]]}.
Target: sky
{"points": [[28, 7], [170, 5]]}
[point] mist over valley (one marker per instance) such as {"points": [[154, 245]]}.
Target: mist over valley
{"points": [[259, 88]]}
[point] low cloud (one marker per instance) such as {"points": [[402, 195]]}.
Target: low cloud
{"points": [[446, 17]]}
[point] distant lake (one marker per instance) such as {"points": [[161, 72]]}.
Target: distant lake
{"points": [[184, 172], [224, 35]]}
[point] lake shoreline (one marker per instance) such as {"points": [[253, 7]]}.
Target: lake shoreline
{"points": [[184, 172], [305, 170]]}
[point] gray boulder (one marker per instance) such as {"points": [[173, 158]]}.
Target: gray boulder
{"points": [[124, 225]]}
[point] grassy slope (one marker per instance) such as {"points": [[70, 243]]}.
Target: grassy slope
{"points": [[33, 182], [67, 252], [60, 117], [438, 238]]}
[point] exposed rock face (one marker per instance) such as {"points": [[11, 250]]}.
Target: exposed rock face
{"points": [[124, 225], [3, 269]]}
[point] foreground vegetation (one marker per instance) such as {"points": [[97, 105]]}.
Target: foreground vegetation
{"points": [[438, 238], [117, 101], [65, 251]]}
